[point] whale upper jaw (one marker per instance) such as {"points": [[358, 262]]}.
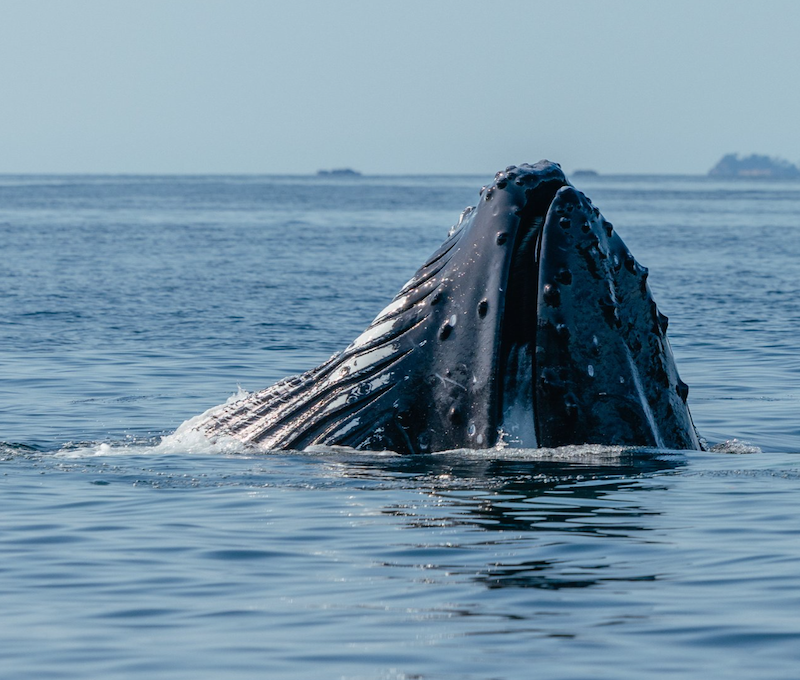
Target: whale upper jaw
{"points": [[603, 367], [531, 325]]}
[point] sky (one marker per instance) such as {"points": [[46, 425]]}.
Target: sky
{"points": [[395, 86]]}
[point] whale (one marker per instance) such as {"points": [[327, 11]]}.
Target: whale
{"points": [[531, 326]]}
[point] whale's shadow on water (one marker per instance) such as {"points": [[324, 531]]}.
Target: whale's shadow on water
{"points": [[514, 518], [521, 502]]}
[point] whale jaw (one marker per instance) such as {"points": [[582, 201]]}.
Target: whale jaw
{"points": [[604, 370]]}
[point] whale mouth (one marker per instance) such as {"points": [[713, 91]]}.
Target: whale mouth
{"points": [[517, 365]]}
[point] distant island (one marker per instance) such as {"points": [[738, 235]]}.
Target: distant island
{"points": [[585, 173], [339, 172], [754, 165]]}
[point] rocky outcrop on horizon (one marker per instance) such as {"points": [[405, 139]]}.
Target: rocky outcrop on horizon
{"points": [[755, 165]]}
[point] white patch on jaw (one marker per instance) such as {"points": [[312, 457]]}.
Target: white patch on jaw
{"points": [[347, 427], [360, 362], [590, 370], [392, 307], [341, 400], [648, 413], [372, 333], [380, 381], [453, 320], [367, 359]]}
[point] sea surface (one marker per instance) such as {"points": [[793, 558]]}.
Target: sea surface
{"points": [[130, 304]]}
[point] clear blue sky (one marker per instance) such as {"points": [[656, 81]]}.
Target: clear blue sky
{"points": [[400, 86]]}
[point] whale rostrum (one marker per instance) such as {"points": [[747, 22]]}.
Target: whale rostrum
{"points": [[531, 326]]}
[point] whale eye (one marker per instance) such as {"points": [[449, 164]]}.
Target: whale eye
{"points": [[483, 307], [502, 237]]}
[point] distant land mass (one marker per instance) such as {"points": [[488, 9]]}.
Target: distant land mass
{"points": [[754, 165], [585, 172], [339, 172]]}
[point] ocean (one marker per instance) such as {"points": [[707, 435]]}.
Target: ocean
{"points": [[130, 304]]}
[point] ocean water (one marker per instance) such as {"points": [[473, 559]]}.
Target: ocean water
{"points": [[131, 304]]}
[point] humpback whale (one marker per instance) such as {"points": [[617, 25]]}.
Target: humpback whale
{"points": [[531, 326]]}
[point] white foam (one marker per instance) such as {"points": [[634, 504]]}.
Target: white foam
{"points": [[583, 454], [735, 446], [187, 438]]}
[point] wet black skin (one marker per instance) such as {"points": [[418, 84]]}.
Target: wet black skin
{"points": [[532, 317]]}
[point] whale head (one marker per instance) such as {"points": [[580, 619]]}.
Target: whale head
{"points": [[532, 325]]}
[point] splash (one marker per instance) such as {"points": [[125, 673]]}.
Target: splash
{"points": [[185, 440], [735, 446]]}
